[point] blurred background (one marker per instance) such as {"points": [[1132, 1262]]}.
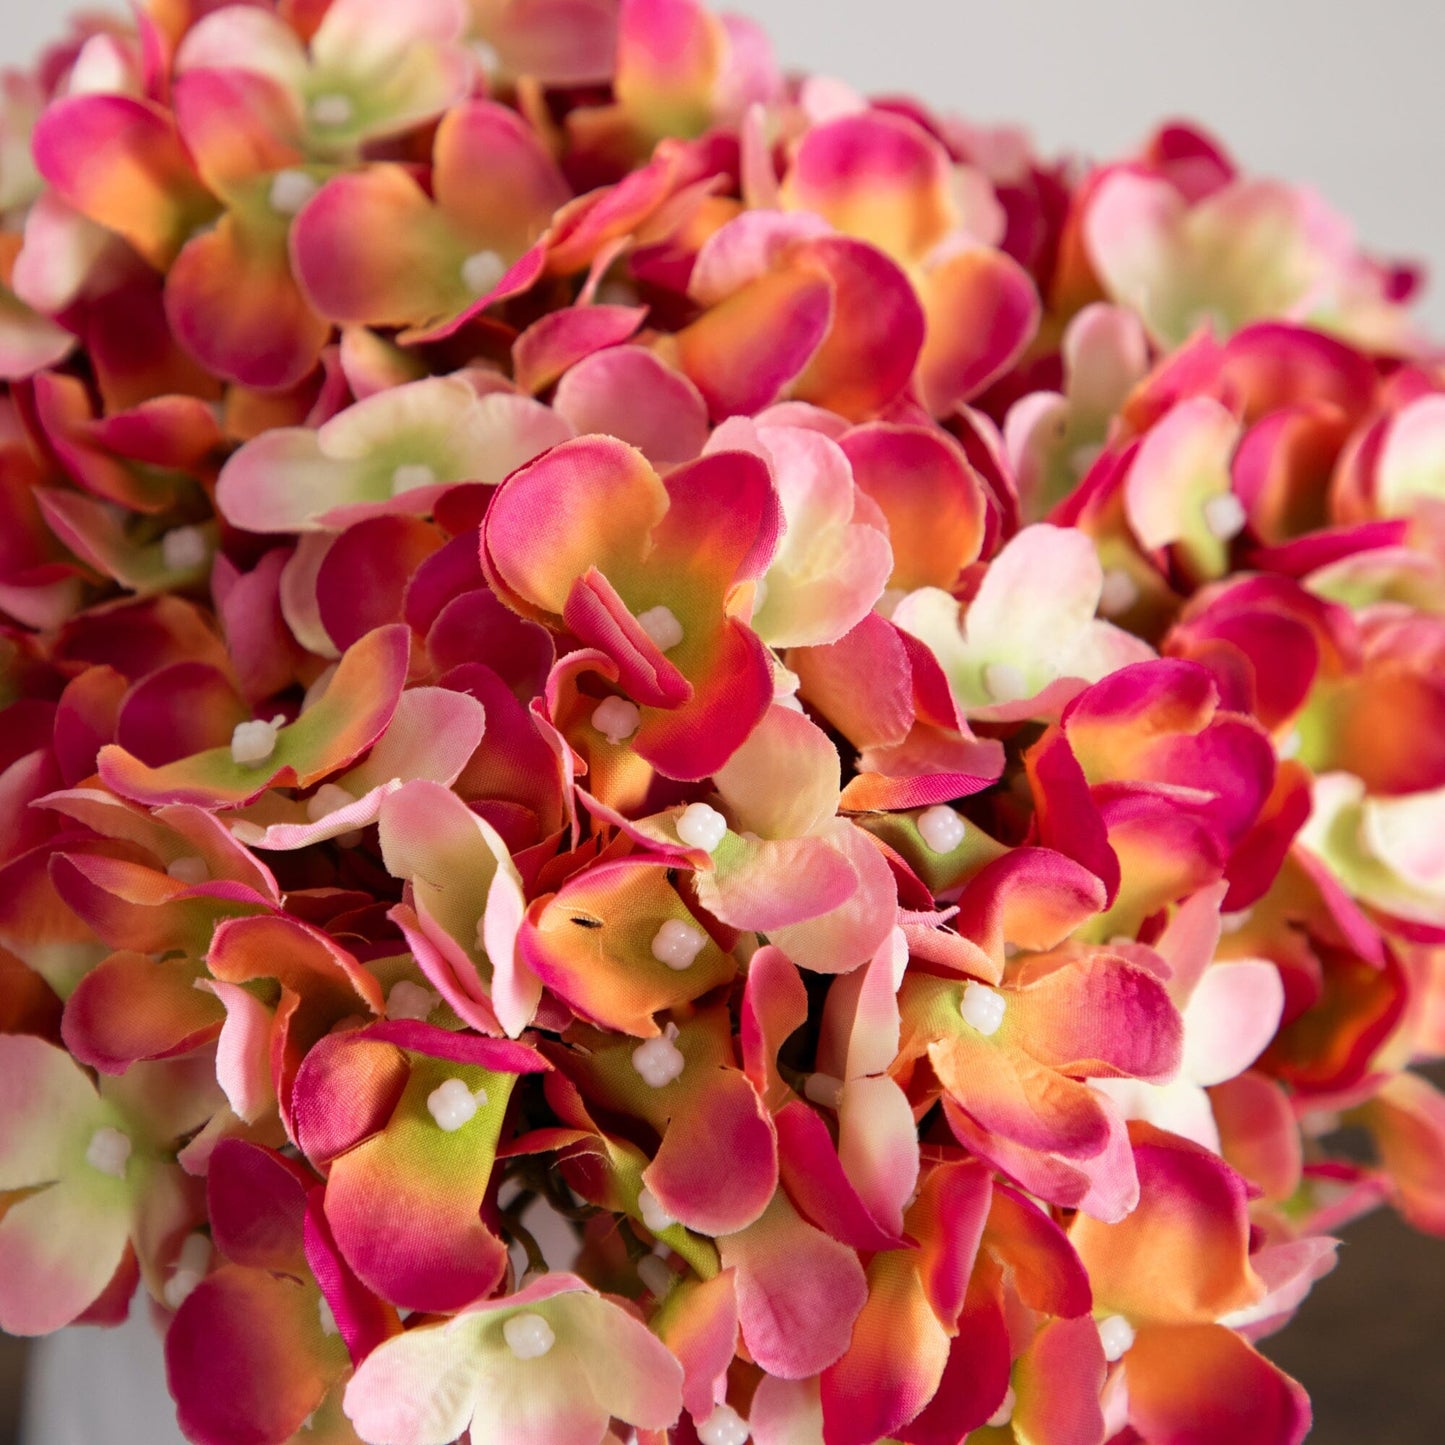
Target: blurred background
{"points": [[1343, 97]]}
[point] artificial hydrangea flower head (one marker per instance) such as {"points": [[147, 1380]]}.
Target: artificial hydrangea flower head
{"points": [[686, 759]]}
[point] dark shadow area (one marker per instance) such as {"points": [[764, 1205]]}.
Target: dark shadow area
{"points": [[12, 1378], [1367, 1342]]}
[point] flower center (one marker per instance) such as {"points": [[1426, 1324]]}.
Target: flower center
{"points": [[253, 742], [941, 828], [481, 271], [654, 1216], [108, 1151], [700, 826], [189, 1271], [659, 1061], [410, 475], [982, 1008], [661, 625], [529, 1336], [332, 110], [723, 1427], [183, 549], [327, 799], [1005, 1411], [1225, 516], [453, 1104], [1116, 1335], [1119, 592], [290, 190], [408, 1000], [1005, 682], [616, 719], [677, 944]]}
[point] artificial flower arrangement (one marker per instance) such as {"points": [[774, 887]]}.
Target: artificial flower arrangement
{"points": [[688, 758]]}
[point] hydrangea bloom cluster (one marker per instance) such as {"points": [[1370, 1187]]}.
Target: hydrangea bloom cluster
{"points": [[688, 758]]}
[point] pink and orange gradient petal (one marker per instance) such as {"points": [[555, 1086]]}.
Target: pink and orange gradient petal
{"points": [[353, 711], [119, 161], [894, 1361], [982, 313], [591, 944], [878, 176], [493, 178], [413, 278], [435, 1253], [1193, 1212], [592, 502], [232, 302], [1201, 1382], [670, 55], [271, 1322]]}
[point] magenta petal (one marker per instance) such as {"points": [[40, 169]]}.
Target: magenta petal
{"points": [[256, 1199], [246, 1358]]}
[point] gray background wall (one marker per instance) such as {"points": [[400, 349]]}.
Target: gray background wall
{"points": [[1344, 96]]}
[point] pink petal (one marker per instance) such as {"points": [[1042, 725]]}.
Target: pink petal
{"points": [[559, 340], [626, 392], [683, 1174], [798, 1292]]}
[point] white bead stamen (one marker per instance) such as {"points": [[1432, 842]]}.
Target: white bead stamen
{"points": [[677, 944], [253, 742], [184, 549], [723, 1427], [1224, 516], [529, 1336], [700, 826], [290, 190], [328, 1319], [654, 1216], [1005, 1411], [661, 625], [332, 110], [1119, 592], [1005, 682], [659, 1061], [481, 271], [327, 799], [251, 834], [452, 1104], [108, 1151], [982, 1008], [189, 1271], [1116, 1335], [188, 869], [616, 719], [941, 828], [1290, 745], [408, 1000]]}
